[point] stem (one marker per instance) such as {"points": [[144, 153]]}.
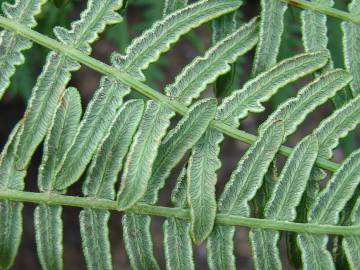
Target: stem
{"points": [[140, 87], [145, 209], [333, 12]]}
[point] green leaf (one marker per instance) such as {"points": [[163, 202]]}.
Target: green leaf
{"points": [[326, 210], [49, 236], [220, 248], [108, 160], [282, 204], [12, 45], [314, 28], [62, 131], [202, 178], [264, 249], [272, 16], [47, 219], [148, 47], [261, 88], [177, 142], [56, 74], [171, 6], [294, 111], [178, 246], [245, 180], [142, 154], [138, 243], [95, 238], [93, 127], [100, 181], [337, 126], [292, 181], [351, 244], [10, 212], [11, 225], [351, 36], [177, 241], [204, 70]]}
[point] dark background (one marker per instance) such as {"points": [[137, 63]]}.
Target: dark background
{"points": [[141, 14]]}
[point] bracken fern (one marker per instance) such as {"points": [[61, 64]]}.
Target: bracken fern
{"points": [[139, 141]]}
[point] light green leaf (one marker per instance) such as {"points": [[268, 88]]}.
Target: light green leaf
{"points": [[247, 178], [272, 16], [262, 87], [11, 225], [108, 160], [100, 181], [138, 243], [337, 126], [282, 204], [351, 244], [314, 28], [12, 45], [142, 154], [148, 47], [326, 210], [177, 241], [95, 238], [10, 212], [204, 70], [220, 248], [351, 36], [178, 246], [56, 74], [171, 6], [294, 111], [47, 219], [264, 249], [49, 236], [62, 131], [202, 178], [177, 142], [93, 127], [292, 181]]}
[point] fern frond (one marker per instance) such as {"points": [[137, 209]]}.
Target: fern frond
{"points": [[351, 244], [284, 199], [202, 178], [245, 180], [351, 37], [94, 125], [138, 242], [142, 153], [272, 16], [47, 219], [314, 28], [12, 45], [177, 241], [204, 70], [177, 142], [148, 47], [294, 111], [262, 87], [10, 212], [326, 210], [100, 182], [56, 74]]}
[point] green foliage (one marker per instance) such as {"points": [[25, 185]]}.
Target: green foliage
{"points": [[120, 137]]}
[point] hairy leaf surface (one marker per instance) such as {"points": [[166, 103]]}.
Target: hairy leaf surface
{"points": [[12, 45], [272, 16]]}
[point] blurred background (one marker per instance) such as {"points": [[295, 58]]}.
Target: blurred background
{"points": [[139, 15]]}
